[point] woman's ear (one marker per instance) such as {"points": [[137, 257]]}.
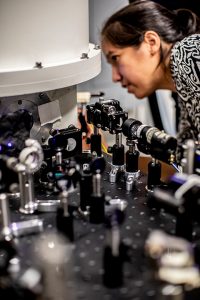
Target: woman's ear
{"points": [[153, 41]]}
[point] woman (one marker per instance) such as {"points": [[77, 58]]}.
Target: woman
{"points": [[150, 48], [152, 99]]}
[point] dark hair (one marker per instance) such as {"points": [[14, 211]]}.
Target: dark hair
{"points": [[127, 26]]}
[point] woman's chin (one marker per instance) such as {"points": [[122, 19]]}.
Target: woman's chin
{"points": [[138, 95]]}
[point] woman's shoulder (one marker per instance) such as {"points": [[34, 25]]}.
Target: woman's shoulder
{"points": [[187, 48], [189, 41], [185, 67]]}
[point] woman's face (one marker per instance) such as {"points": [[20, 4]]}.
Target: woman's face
{"points": [[136, 68]]}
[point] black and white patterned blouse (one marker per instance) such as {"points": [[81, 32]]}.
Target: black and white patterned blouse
{"points": [[185, 68]]}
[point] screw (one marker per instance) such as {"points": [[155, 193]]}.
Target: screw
{"points": [[38, 65], [84, 55]]}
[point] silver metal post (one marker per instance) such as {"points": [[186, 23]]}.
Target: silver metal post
{"points": [[27, 197], [5, 217]]}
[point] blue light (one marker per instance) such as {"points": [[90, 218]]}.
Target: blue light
{"points": [[9, 145]]}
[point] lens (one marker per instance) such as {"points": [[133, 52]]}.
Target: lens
{"points": [[150, 139], [157, 138], [130, 127]]}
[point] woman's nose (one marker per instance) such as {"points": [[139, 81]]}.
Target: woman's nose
{"points": [[116, 77]]}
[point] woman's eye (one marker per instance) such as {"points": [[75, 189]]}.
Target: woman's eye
{"points": [[114, 57]]}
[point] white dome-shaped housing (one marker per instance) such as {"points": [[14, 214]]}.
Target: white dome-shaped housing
{"points": [[42, 43]]}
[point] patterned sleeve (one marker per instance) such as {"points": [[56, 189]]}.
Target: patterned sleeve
{"points": [[185, 67]]}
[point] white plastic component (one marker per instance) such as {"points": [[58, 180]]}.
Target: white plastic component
{"points": [[83, 97], [50, 77], [42, 43], [46, 31]]}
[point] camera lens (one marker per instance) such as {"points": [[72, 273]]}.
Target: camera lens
{"points": [[130, 127], [150, 139]]}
